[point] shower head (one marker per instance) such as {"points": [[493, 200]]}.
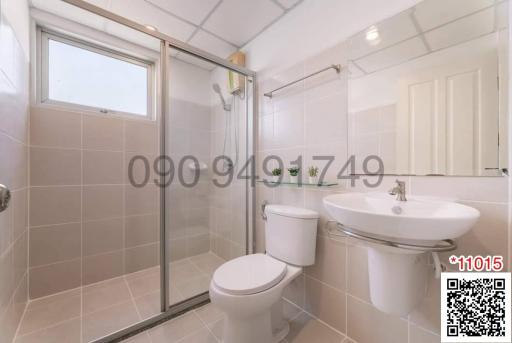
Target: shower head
{"points": [[216, 89]]}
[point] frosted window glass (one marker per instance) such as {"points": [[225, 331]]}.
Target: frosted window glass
{"points": [[83, 77]]}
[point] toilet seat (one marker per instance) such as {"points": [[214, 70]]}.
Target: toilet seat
{"points": [[249, 274]]}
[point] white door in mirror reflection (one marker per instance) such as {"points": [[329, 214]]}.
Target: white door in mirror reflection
{"points": [[447, 119]]}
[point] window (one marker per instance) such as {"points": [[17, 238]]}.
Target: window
{"points": [[80, 74]]}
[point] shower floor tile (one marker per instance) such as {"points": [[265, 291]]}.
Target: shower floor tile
{"points": [[85, 314]]}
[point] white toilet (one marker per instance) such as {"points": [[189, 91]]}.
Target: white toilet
{"points": [[247, 289]]}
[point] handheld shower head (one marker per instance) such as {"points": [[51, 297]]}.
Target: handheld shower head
{"points": [[216, 89]]}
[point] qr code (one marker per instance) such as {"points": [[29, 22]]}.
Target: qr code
{"points": [[475, 307]]}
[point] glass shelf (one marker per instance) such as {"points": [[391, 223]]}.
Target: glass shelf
{"points": [[307, 184]]}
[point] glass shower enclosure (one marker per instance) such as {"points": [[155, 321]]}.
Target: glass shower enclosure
{"points": [[187, 195]]}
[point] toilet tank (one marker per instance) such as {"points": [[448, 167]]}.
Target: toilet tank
{"points": [[290, 234]]}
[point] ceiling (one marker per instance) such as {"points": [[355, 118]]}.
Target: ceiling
{"points": [[220, 27], [430, 26]]}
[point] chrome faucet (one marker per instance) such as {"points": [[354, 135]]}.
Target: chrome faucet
{"points": [[398, 190]]}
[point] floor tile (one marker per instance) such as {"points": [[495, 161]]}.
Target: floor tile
{"points": [[209, 314], [50, 311], [176, 329], [109, 320], [65, 332], [201, 336], [305, 329], [105, 294]]}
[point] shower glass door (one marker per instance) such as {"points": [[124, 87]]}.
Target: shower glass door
{"points": [[207, 201]]}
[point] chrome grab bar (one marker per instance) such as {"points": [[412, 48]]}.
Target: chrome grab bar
{"points": [[444, 245]]}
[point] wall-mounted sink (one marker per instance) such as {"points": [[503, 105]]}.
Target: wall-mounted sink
{"points": [[415, 219], [401, 235]]}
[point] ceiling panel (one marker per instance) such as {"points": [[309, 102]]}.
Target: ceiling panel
{"points": [[462, 30], [288, 3], [433, 13], [394, 55], [73, 13], [238, 21], [391, 31], [184, 57], [146, 14], [194, 11], [208, 42]]}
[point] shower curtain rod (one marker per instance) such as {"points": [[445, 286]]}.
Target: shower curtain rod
{"points": [[336, 67]]}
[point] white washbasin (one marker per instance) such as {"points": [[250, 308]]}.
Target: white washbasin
{"points": [[415, 219]]}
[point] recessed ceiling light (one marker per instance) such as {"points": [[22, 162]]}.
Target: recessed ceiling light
{"points": [[150, 27], [372, 35]]}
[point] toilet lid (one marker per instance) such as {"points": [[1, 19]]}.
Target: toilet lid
{"points": [[249, 274]]}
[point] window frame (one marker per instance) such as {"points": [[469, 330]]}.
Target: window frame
{"points": [[43, 38]]}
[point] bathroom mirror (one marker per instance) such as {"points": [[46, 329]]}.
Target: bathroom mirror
{"points": [[428, 89]]}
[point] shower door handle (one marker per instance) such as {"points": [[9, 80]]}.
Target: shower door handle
{"points": [[5, 197]]}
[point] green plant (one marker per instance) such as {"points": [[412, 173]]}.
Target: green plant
{"points": [[313, 171], [276, 171], [294, 171]]}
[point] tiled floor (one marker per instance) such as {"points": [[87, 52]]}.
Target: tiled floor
{"points": [[84, 314], [204, 325]]}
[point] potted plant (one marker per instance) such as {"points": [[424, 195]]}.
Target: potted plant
{"points": [[276, 174], [294, 172], [313, 175]]}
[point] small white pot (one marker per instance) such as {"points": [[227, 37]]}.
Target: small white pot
{"points": [[313, 180], [294, 179], [275, 178]]}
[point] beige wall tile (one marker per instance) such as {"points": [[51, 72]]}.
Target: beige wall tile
{"points": [[20, 258], [384, 328], [428, 313], [103, 133], [357, 272], [141, 136], [55, 128], [102, 202], [19, 204], [6, 229], [50, 166], [134, 169], [54, 205], [57, 243], [326, 303], [141, 200], [493, 189], [6, 274], [102, 167], [330, 263], [54, 278], [141, 230], [102, 267], [490, 234], [198, 245], [6, 150], [141, 257], [102, 236], [19, 165]]}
